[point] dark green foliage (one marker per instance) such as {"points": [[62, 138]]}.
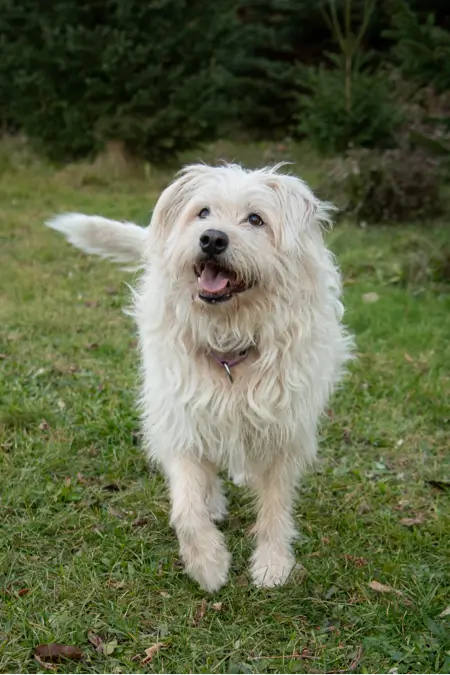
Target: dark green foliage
{"points": [[387, 187], [153, 74], [422, 48], [279, 34], [163, 76], [332, 122]]}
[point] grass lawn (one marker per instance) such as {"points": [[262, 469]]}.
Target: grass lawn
{"points": [[85, 543]]}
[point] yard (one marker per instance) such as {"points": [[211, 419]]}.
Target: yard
{"points": [[86, 551]]}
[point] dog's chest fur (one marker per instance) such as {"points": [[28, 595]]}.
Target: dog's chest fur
{"points": [[190, 406]]}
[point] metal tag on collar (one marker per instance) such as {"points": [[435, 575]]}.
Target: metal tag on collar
{"points": [[228, 371]]}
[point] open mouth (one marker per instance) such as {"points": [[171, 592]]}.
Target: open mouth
{"points": [[216, 282]]}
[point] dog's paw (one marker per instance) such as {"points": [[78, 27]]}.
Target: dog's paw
{"points": [[270, 568], [240, 479], [208, 564]]}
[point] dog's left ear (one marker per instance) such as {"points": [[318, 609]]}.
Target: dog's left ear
{"points": [[300, 209], [174, 198]]}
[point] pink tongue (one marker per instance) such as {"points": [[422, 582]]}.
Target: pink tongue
{"points": [[213, 279]]}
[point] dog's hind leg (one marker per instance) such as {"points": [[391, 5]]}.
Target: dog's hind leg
{"points": [[273, 560], [202, 545]]}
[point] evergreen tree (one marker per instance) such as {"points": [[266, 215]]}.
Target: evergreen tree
{"points": [[154, 74]]}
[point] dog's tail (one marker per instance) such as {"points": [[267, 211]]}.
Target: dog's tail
{"points": [[121, 242]]}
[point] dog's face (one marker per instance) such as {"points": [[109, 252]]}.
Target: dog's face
{"points": [[225, 235]]}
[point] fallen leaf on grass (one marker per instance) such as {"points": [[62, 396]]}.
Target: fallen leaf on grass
{"points": [[11, 592], [445, 613], [409, 522], [357, 561], [384, 588], [165, 594], [151, 651], [96, 640], [200, 613], [217, 606], [44, 664], [370, 297], [115, 583], [55, 652], [139, 522]]}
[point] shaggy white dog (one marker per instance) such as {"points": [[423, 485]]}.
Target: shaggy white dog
{"points": [[241, 341]]}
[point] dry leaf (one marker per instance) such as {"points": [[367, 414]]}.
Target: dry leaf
{"points": [[445, 613], [416, 520], [217, 606], [356, 560], [151, 651], [57, 652], [139, 522], [165, 594], [43, 664], [383, 588], [200, 613], [114, 583], [22, 592], [96, 640], [408, 358], [92, 345], [370, 297]]}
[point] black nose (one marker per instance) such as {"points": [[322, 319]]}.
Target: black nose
{"points": [[213, 242]]}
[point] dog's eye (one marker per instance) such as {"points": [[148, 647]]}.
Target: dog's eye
{"points": [[255, 220], [204, 213]]}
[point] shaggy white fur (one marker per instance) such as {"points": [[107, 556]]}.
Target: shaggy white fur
{"points": [[272, 296]]}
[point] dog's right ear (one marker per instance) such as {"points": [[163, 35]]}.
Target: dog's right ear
{"points": [[174, 198]]}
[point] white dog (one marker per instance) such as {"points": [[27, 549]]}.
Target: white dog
{"points": [[241, 342]]}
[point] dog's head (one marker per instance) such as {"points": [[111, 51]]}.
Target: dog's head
{"points": [[225, 235]]}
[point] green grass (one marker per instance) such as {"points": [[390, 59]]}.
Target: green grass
{"points": [[102, 558]]}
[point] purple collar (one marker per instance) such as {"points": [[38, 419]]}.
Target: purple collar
{"points": [[228, 362]]}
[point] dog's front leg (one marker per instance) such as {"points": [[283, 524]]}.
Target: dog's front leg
{"points": [[273, 560], [202, 545]]}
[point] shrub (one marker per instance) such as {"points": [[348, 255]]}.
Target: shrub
{"points": [[422, 50], [386, 187], [332, 124]]}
